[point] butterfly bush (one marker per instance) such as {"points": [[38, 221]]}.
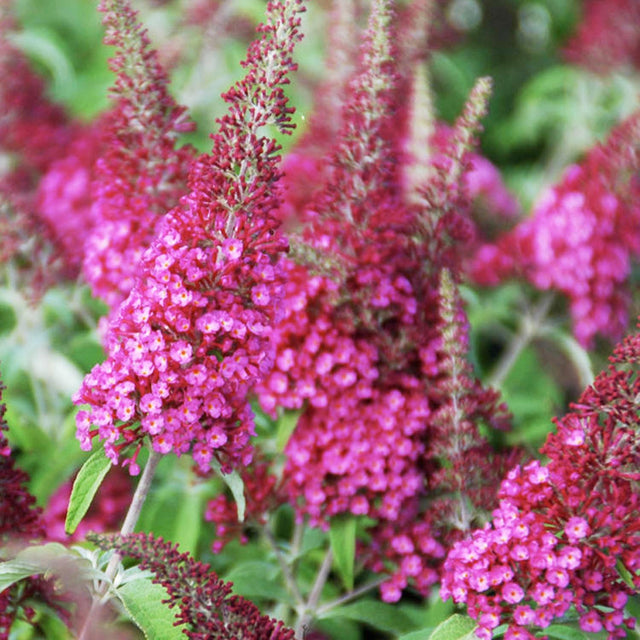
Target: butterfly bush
{"points": [[193, 336], [359, 347], [581, 238], [607, 37], [207, 609], [142, 173], [566, 532], [324, 291]]}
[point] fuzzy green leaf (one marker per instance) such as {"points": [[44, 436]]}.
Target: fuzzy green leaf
{"points": [[454, 628], [13, 571], [420, 634], [376, 614], [236, 486], [51, 557], [565, 632], [286, 425], [143, 601], [342, 534], [625, 574], [86, 485]]}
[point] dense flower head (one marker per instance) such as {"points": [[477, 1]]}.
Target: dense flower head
{"points": [[607, 37], [34, 134], [18, 513], [193, 337], [359, 349], [566, 533], [31, 126], [141, 173], [206, 606], [580, 238], [64, 197], [358, 455]]}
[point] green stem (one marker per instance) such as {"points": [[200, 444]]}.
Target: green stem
{"points": [[351, 595], [289, 578], [310, 608], [139, 497], [529, 327]]}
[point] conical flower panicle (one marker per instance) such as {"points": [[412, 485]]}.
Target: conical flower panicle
{"points": [[469, 470], [205, 603], [141, 173], [18, 514], [359, 349], [193, 337], [566, 533], [607, 38], [581, 237], [34, 134], [445, 223]]}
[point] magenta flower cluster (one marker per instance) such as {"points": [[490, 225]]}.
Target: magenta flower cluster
{"points": [[192, 338], [359, 347], [566, 533], [580, 240]]}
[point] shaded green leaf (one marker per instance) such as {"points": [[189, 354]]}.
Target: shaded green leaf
{"points": [[376, 614], [13, 571], [454, 628], [8, 319], [342, 534], [420, 634], [188, 520], [565, 632], [625, 574], [236, 486], [143, 601], [286, 425], [338, 628], [258, 579], [51, 557], [85, 486]]}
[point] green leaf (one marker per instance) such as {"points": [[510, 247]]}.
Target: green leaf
{"points": [[286, 425], [625, 574], [376, 614], [342, 534], [13, 571], [338, 628], [86, 485], [188, 520], [258, 579], [143, 601], [420, 634], [8, 319], [565, 632], [85, 351], [454, 628], [51, 557], [236, 485]]}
